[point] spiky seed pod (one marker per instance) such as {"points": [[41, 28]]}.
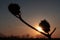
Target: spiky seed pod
{"points": [[45, 26], [14, 9]]}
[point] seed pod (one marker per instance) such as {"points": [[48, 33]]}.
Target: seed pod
{"points": [[14, 9], [45, 26]]}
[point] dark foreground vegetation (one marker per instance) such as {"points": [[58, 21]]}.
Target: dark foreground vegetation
{"points": [[17, 38]]}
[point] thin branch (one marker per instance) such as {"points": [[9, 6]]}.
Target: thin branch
{"points": [[52, 31]]}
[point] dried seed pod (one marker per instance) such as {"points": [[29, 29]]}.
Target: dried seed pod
{"points": [[14, 9], [45, 26]]}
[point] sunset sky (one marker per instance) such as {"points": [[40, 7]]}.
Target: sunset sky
{"points": [[33, 11]]}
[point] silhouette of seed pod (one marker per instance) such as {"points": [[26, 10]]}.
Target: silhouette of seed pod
{"points": [[14, 8], [45, 26]]}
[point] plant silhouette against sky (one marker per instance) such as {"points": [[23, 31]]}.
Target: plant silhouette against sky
{"points": [[15, 10]]}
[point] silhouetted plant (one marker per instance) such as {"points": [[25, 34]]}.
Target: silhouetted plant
{"points": [[14, 9], [45, 26]]}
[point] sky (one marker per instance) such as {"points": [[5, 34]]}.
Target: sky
{"points": [[33, 11]]}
